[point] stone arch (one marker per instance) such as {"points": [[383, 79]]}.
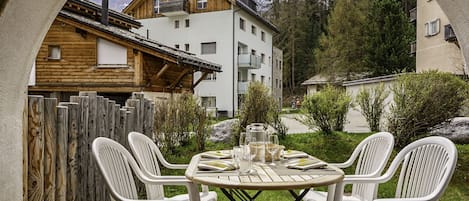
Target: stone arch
{"points": [[24, 25]]}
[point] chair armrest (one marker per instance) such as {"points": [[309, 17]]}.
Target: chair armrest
{"points": [[175, 166], [342, 165]]}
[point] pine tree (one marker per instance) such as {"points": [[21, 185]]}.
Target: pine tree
{"points": [[389, 35], [341, 49], [300, 26]]}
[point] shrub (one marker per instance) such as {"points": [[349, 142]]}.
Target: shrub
{"points": [[326, 109], [176, 119], [259, 107], [371, 102], [423, 101]]}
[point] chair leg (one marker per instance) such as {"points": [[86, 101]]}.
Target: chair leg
{"points": [[193, 192]]}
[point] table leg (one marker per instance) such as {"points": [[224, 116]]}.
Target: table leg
{"points": [[241, 194], [227, 194], [299, 197]]}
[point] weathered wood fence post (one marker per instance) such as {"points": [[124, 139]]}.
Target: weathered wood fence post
{"points": [[58, 162], [36, 148]]}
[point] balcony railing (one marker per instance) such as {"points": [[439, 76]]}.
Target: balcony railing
{"points": [[251, 4], [413, 14], [243, 87], [249, 61], [174, 7]]}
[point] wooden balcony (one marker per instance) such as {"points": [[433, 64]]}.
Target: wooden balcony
{"points": [[174, 7]]}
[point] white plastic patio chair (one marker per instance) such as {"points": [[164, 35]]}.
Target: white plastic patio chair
{"points": [[148, 156], [371, 155], [427, 167], [117, 164]]}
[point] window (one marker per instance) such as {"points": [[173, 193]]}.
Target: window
{"points": [[253, 52], [176, 24], [54, 52], [241, 23], [211, 76], [253, 29], [432, 27], [209, 101], [201, 4], [176, 46], [157, 6], [187, 23], [276, 83], [263, 58], [111, 54], [209, 48], [186, 47], [253, 77], [263, 36], [262, 79]]}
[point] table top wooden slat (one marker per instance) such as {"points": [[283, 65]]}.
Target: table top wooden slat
{"points": [[267, 178]]}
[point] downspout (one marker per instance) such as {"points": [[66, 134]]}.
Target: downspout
{"points": [[234, 61]]}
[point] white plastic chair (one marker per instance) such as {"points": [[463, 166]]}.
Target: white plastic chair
{"points": [[427, 167], [117, 164], [371, 155], [148, 156]]}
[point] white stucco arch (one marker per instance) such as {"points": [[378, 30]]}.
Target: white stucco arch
{"points": [[24, 24], [457, 12]]}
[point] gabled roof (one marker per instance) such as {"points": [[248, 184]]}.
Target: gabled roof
{"points": [[123, 34], [321, 79], [256, 15], [85, 7]]}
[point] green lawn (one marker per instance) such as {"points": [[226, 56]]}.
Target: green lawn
{"points": [[335, 148]]}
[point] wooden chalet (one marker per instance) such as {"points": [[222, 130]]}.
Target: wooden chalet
{"points": [[143, 9], [86, 51]]}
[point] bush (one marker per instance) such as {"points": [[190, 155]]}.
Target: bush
{"points": [[259, 107], [179, 119], [326, 109], [371, 102], [423, 101]]}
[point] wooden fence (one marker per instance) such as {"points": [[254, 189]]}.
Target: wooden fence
{"points": [[58, 160]]}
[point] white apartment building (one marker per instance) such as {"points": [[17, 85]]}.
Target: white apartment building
{"points": [[229, 33], [437, 47]]}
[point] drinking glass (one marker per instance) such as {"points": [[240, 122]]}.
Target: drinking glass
{"points": [[273, 146], [236, 155], [251, 148], [242, 142]]}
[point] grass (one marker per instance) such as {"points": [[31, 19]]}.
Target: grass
{"points": [[333, 148]]}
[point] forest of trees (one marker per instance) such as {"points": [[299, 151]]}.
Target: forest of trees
{"points": [[346, 38]]}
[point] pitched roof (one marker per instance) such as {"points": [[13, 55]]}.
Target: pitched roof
{"points": [[181, 56], [98, 9], [256, 15]]}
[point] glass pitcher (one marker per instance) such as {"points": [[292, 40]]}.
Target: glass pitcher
{"points": [[259, 131]]}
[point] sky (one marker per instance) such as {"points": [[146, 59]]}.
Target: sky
{"points": [[116, 5]]}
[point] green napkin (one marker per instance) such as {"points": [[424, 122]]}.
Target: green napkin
{"points": [[221, 165]]}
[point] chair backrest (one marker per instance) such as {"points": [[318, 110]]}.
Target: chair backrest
{"points": [[427, 167], [373, 153], [147, 153], [116, 165]]}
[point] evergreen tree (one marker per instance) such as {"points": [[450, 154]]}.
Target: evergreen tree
{"points": [[389, 35], [300, 26], [341, 49]]}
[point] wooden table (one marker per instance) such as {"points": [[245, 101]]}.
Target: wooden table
{"points": [[268, 178]]}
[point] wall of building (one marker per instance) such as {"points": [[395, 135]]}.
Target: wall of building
{"points": [[216, 27], [356, 122], [78, 62], [433, 52], [203, 28], [277, 68]]}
